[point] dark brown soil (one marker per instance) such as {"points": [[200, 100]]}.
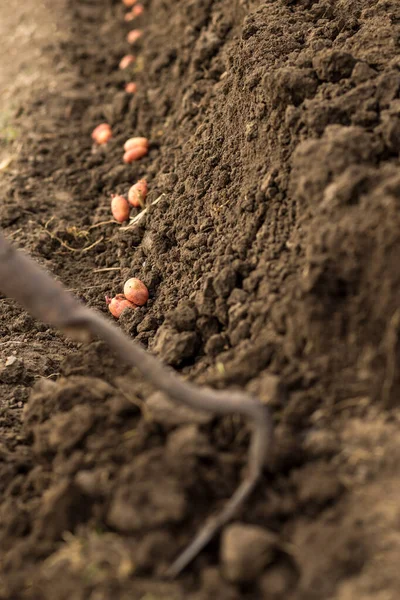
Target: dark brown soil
{"points": [[273, 263]]}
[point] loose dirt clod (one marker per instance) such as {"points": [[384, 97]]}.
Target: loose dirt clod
{"points": [[22, 279], [245, 551]]}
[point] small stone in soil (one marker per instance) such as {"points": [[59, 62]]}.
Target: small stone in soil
{"points": [[245, 552]]}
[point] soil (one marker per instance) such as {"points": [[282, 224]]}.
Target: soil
{"points": [[273, 264]]}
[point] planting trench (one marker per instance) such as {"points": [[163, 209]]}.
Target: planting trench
{"points": [[273, 265]]}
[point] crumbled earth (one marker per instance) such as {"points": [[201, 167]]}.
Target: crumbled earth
{"points": [[273, 263]]}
